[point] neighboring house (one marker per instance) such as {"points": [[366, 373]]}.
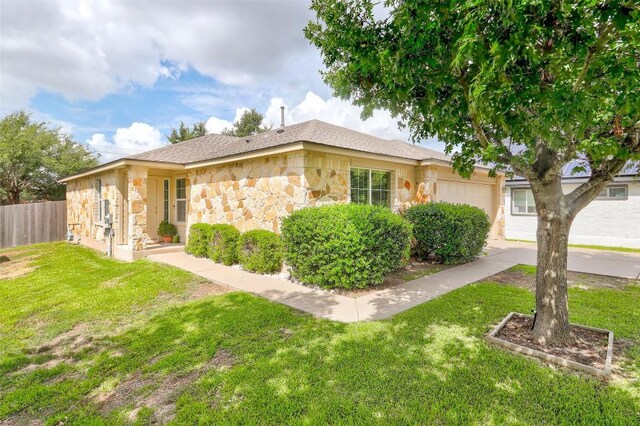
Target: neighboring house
{"points": [[612, 219], [254, 182]]}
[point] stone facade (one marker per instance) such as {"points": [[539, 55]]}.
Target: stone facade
{"points": [[249, 194], [137, 207], [81, 207], [253, 194], [259, 193]]}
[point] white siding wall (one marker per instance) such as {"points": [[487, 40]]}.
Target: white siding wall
{"points": [[602, 222]]}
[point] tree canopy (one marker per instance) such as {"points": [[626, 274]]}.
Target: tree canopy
{"points": [[34, 156], [526, 86], [249, 123], [183, 132]]}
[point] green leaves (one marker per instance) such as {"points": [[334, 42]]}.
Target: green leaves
{"points": [[345, 245], [184, 133], [33, 157], [522, 73]]}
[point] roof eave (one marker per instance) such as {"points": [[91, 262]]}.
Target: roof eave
{"points": [[122, 163]]}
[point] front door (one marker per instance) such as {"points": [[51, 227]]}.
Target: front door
{"points": [[152, 208]]}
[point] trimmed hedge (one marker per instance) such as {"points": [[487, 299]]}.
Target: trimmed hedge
{"points": [[261, 251], [345, 245], [199, 237], [223, 244], [453, 233]]}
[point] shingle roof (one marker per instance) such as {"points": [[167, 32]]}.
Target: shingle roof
{"points": [[211, 146]]}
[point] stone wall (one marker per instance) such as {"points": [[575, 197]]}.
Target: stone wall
{"points": [[327, 178], [252, 194], [81, 198], [137, 207], [259, 193]]}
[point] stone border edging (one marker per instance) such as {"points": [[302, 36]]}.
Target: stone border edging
{"points": [[605, 373]]}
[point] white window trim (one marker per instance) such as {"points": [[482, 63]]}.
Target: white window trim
{"points": [[609, 198], [513, 201], [168, 200], [181, 199], [391, 186]]}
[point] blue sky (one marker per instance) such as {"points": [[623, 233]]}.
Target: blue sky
{"points": [[118, 75]]}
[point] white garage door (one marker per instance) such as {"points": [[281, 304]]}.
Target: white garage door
{"points": [[475, 194]]}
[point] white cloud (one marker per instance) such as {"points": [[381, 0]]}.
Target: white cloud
{"points": [[217, 125], [332, 110], [336, 111], [88, 49], [126, 141]]}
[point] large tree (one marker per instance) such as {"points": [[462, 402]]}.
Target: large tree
{"points": [[527, 86], [250, 122], [33, 156], [184, 133]]}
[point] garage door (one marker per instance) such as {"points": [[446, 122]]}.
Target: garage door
{"points": [[475, 194]]}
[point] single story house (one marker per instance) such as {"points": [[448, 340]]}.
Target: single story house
{"points": [[253, 182], [611, 219]]}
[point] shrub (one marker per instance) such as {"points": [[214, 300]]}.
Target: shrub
{"points": [[223, 244], [167, 229], [199, 237], [345, 245], [261, 251], [453, 233]]}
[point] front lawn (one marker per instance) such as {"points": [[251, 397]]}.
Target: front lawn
{"points": [[79, 349]]}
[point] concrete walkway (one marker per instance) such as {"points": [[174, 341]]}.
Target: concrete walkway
{"points": [[382, 304]]}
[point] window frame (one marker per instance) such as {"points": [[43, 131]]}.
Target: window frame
{"points": [[370, 185], [607, 197], [166, 202], [178, 200], [99, 200], [513, 201]]}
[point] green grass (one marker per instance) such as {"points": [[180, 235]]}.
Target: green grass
{"points": [[527, 269], [429, 365], [589, 246], [414, 275]]}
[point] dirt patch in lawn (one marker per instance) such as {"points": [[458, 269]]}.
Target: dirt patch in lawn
{"points": [[588, 347], [412, 271], [521, 278], [134, 391], [209, 289], [16, 264]]}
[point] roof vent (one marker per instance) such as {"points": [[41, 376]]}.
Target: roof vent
{"points": [[280, 131], [282, 116], [247, 140]]}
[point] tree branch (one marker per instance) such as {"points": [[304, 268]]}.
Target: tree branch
{"points": [[591, 51], [583, 194]]}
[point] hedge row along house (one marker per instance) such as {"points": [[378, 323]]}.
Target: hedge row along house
{"points": [[253, 182]]}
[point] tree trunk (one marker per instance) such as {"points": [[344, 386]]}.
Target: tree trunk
{"points": [[552, 308], [13, 196]]}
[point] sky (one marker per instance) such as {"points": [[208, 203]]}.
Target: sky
{"points": [[119, 75]]}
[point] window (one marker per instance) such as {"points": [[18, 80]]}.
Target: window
{"points": [[613, 192], [181, 200], [99, 204], [522, 202], [165, 200], [371, 187]]}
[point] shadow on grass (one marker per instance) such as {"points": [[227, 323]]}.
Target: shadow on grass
{"points": [[428, 365]]}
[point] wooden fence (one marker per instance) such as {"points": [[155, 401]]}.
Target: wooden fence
{"points": [[23, 224]]}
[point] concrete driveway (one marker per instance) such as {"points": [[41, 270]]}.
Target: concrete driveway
{"points": [[500, 255]]}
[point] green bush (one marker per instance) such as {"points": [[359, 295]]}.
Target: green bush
{"points": [[223, 244], [453, 233], [167, 229], [199, 237], [345, 245], [261, 251]]}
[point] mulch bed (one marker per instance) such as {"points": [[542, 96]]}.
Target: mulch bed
{"points": [[588, 347]]}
